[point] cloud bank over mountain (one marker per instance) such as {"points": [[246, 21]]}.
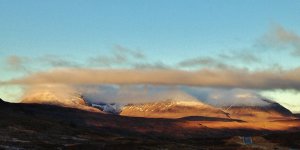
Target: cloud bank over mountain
{"points": [[127, 70], [126, 94], [224, 78]]}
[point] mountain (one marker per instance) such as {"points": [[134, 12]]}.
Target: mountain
{"points": [[43, 126], [269, 111], [67, 99], [172, 109]]}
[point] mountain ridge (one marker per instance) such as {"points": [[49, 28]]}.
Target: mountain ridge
{"points": [[271, 111], [179, 109], [169, 108], [172, 109]]}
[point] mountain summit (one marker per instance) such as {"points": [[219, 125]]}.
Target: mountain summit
{"points": [[65, 99], [269, 111]]}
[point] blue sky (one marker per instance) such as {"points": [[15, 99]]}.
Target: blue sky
{"points": [[165, 32], [163, 29]]}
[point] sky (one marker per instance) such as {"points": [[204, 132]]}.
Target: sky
{"points": [[252, 45]]}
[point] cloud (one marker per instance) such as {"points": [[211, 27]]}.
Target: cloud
{"points": [[150, 93], [125, 94], [222, 60], [227, 78], [279, 38], [108, 60], [157, 65], [133, 53], [225, 97], [27, 64], [120, 56], [202, 61], [50, 93], [236, 97], [57, 61], [15, 62], [244, 56]]}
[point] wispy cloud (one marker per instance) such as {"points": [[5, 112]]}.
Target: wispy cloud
{"points": [[279, 38], [26, 64], [202, 61], [57, 61], [120, 56], [156, 65], [222, 60], [133, 53], [15, 62], [244, 56]]}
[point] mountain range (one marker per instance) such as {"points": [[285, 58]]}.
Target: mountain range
{"points": [[169, 108], [40, 126]]}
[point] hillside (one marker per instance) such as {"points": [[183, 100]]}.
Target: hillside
{"points": [[40, 126], [172, 109], [270, 111]]}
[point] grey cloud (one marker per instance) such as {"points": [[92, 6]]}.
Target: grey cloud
{"points": [[17, 63], [157, 65], [120, 56], [133, 53], [223, 60], [22, 63], [202, 61], [108, 60], [196, 61], [57, 61], [281, 39], [246, 57]]}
